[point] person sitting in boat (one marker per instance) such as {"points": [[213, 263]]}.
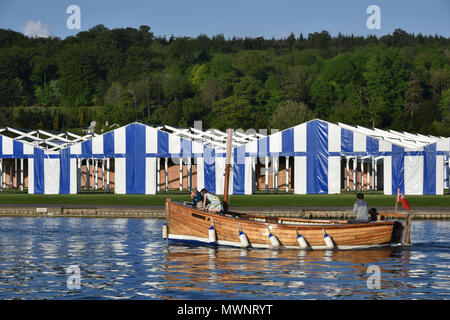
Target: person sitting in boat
{"points": [[215, 205], [197, 199], [360, 208]]}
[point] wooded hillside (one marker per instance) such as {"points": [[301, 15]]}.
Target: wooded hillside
{"points": [[399, 81]]}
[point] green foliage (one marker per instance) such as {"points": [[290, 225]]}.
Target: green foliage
{"points": [[290, 114], [397, 81]]}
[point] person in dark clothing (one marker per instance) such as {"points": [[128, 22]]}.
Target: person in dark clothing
{"points": [[197, 199]]}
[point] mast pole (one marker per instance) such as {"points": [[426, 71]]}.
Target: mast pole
{"points": [[227, 171]]}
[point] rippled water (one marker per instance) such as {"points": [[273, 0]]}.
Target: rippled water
{"points": [[128, 259]]}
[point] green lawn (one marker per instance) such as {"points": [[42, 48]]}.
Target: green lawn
{"points": [[257, 200]]}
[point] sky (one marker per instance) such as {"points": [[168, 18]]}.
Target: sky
{"points": [[240, 18]]}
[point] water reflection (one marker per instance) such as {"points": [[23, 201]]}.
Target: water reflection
{"points": [[192, 269]]}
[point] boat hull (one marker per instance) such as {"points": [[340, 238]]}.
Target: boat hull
{"points": [[191, 225]]}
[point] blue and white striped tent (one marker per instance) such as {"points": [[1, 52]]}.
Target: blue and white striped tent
{"points": [[318, 146], [136, 148], [12, 149]]}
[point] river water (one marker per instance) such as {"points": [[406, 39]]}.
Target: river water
{"points": [[90, 258]]}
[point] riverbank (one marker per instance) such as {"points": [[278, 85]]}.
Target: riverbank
{"points": [[96, 211], [258, 200]]}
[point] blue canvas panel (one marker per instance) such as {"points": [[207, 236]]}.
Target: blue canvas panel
{"points": [[64, 172], [398, 169], [239, 170], [429, 170], [346, 140], [209, 169]]}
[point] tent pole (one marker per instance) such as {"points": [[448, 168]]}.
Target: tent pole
{"points": [[108, 166], [275, 173], [158, 174], [266, 173], [1, 174], [375, 175], [103, 175], [287, 174], [10, 176], [166, 166], [181, 174], [362, 174], [88, 175], [21, 174], [189, 174], [347, 167], [16, 173]]}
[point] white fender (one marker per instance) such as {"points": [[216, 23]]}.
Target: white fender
{"points": [[328, 241], [212, 235], [274, 240], [244, 239], [164, 231], [301, 242]]}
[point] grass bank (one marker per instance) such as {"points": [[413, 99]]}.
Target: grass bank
{"points": [[256, 200]]}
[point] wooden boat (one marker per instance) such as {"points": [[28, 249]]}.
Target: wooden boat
{"points": [[185, 223]]}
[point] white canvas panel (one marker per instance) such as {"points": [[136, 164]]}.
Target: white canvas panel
{"points": [[300, 138], [200, 174], [252, 147], [73, 176], [249, 176], [75, 149], [300, 175], [7, 145], [275, 144], [414, 175], [440, 175], [30, 176], [120, 176], [51, 176], [385, 146], [443, 145], [334, 175], [150, 176], [334, 138], [387, 175], [120, 142], [151, 140], [220, 171], [197, 147], [97, 145], [28, 148], [359, 142], [174, 144]]}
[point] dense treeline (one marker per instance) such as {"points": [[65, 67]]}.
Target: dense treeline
{"points": [[399, 81]]}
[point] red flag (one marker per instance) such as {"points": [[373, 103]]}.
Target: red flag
{"points": [[405, 203]]}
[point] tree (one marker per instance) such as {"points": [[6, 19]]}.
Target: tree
{"points": [[386, 75], [211, 91], [296, 84], [413, 94], [232, 112], [175, 86], [290, 114]]}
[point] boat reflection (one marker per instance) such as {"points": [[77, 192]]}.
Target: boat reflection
{"points": [[221, 270]]}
